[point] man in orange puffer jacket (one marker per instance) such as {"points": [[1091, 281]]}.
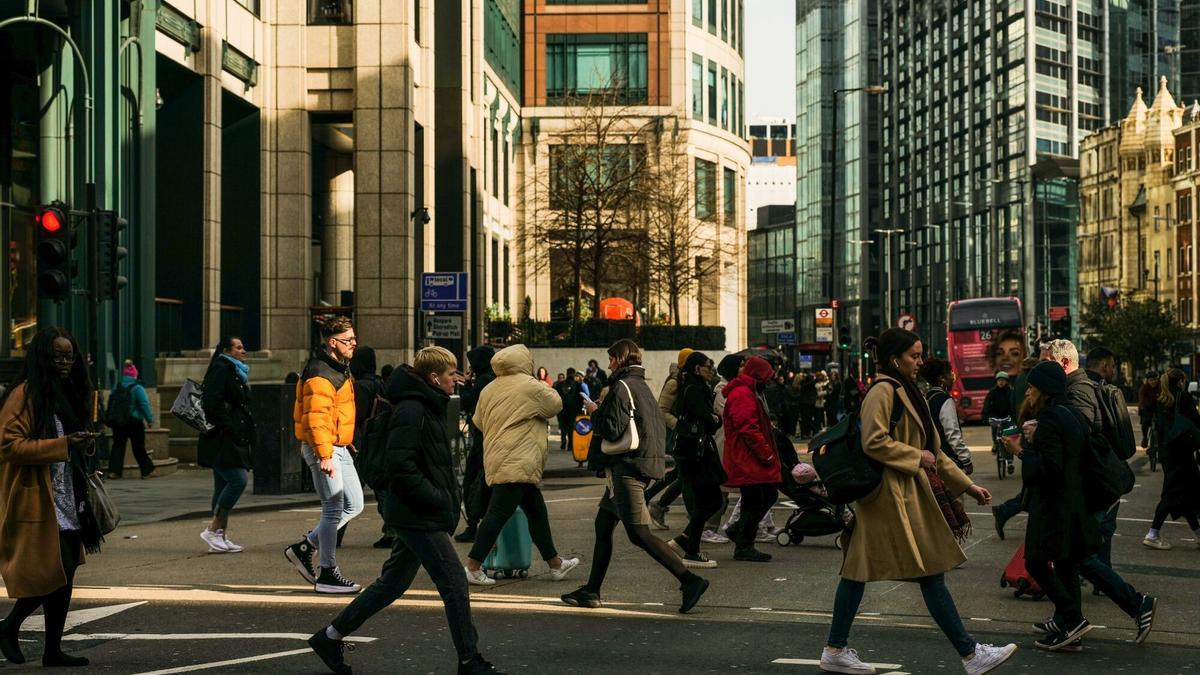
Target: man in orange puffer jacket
{"points": [[324, 419]]}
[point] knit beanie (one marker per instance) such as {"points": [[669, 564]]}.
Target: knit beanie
{"points": [[130, 370], [682, 358], [1049, 378], [729, 366]]}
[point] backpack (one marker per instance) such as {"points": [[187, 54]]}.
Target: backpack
{"points": [[846, 471], [1106, 477], [372, 454], [120, 407], [1115, 422]]}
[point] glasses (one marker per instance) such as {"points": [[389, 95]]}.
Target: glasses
{"points": [[347, 341], [64, 358]]}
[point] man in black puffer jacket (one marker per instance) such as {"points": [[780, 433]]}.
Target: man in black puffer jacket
{"points": [[475, 491], [420, 510]]}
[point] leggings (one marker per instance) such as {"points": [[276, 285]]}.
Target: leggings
{"points": [[937, 600], [54, 604], [1164, 510], [703, 499], [506, 497], [640, 536]]}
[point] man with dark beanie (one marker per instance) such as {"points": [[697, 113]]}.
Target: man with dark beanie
{"points": [[475, 492]]}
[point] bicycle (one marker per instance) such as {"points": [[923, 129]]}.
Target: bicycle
{"points": [[1004, 459]]}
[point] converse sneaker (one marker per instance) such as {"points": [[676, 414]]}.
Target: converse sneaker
{"points": [[844, 660], [301, 555], [229, 545], [567, 565], [988, 658], [215, 540], [1156, 543], [478, 577], [713, 537], [331, 651], [1145, 618], [332, 581], [698, 560]]}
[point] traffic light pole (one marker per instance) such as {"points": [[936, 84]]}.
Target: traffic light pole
{"points": [[93, 292]]}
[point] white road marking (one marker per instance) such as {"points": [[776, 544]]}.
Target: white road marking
{"points": [[79, 617], [817, 662], [78, 637], [230, 662]]}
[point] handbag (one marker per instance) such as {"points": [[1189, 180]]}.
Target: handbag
{"points": [[629, 440], [101, 505], [187, 407]]}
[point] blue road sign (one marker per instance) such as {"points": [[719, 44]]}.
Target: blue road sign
{"points": [[786, 338], [806, 361], [444, 292]]}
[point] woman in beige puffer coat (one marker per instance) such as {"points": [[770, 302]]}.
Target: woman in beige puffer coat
{"points": [[512, 414]]}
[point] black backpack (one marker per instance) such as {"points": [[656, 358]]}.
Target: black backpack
{"points": [[1114, 419], [1106, 477], [371, 458], [846, 471], [120, 407]]}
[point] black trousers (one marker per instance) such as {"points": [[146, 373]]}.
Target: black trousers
{"points": [[412, 550], [757, 500], [703, 499], [1061, 585], [54, 605], [136, 434], [506, 497]]}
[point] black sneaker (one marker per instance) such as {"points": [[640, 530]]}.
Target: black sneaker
{"points": [[1062, 639], [1046, 627], [692, 589], [477, 666], [999, 522], [331, 651], [467, 536], [10, 646], [582, 597], [751, 554], [384, 542], [301, 555], [1145, 618], [332, 581]]}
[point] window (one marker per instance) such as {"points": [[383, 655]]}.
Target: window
{"points": [[712, 16], [416, 21], [730, 196], [505, 170], [698, 13], [495, 161], [579, 64], [495, 272], [725, 20], [724, 98], [327, 12], [579, 174], [712, 93], [706, 189], [697, 87]]}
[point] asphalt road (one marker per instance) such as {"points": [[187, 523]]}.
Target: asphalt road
{"points": [[158, 603]]}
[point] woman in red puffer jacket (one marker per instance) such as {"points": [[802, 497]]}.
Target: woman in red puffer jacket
{"points": [[751, 459]]}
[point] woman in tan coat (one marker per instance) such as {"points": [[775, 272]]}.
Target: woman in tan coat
{"points": [[908, 529], [45, 524]]}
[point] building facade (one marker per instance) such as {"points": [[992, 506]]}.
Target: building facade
{"points": [[771, 261], [771, 178], [1186, 185], [1129, 240], [671, 75]]}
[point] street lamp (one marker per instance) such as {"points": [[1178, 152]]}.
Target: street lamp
{"points": [[871, 90], [887, 265]]}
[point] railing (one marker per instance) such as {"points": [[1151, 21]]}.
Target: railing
{"points": [[595, 333], [168, 326], [331, 12]]}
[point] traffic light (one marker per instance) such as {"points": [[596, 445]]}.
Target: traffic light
{"points": [[56, 238], [110, 253], [844, 337]]}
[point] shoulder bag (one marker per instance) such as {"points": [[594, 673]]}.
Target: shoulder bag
{"points": [[629, 440]]}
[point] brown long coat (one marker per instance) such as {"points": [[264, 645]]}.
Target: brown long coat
{"points": [[30, 559], [899, 530]]}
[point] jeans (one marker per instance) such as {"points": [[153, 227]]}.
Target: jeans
{"points": [[1111, 584], [937, 600], [703, 499], [341, 499], [757, 500], [228, 484], [505, 500], [55, 604], [1108, 527], [135, 433], [414, 549], [1061, 585], [1009, 509]]}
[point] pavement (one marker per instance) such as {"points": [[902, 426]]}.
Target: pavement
{"points": [[155, 602]]}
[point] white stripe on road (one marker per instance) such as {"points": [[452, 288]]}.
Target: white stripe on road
{"points": [[817, 662], [201, 636], [230, 662]]}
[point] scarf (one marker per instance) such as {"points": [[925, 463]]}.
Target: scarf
{"points": [[240, 368]]}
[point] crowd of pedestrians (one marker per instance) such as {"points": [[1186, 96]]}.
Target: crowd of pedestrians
{"points": [[713, 429]]}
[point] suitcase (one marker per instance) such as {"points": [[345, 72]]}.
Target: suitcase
{"points": [[1017, 577], [581, 438], [513, 553]]}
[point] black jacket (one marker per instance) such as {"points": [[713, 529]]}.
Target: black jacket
{"points": [[1181, 475], [1060, 526], [226, 403], [572, 398], [696, 419], [422, 492], [998, 403], [366, 389], [612, 417], [1081, 393]]}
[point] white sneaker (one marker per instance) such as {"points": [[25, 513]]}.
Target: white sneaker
{"points": [[215, 540], [988, 658], [844, 661], [1156, 543], [478, 577], [229, 545], [764, 537], [711, 537], [568, 564]]}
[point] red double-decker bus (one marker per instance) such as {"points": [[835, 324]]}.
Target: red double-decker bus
{"points": [[983, 337]]}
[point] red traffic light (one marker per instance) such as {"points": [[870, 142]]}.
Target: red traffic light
{"points": [[51, 219]]}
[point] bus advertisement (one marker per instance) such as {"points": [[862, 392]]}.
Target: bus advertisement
{"points": [[983, 337]]}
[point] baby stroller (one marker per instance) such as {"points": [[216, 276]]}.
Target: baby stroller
{"points": [[815, 515]]}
